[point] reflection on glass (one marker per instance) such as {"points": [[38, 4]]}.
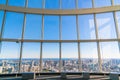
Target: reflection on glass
{"points": [[116, 2], [86, 26], [106, 26], [89, 55], [69, 28], [54, 4], [118, 20], [31, 57], [9, 57], [33, 27], [2, 1], [51, 27], [50, 57], [13, 25], [84, 3], [68, 4], [1, 18], [20, 3], [110, 56], [69, 57], [102, 3], [35, 3]]}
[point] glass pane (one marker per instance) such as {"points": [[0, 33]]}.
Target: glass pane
{"points": [[102, 3], [31, 57], [84, 3], [69, 57], [20, 3], [9, 57], [51, 27], [33, 27], [2, 1], [118, 20], [51, 57], [13, 25], [110, 56], [106, 26], [116, 2], [1, 19], [69, 28], [35, 3], [89, 55], [87, 27], [68, 4], [54, 4]]}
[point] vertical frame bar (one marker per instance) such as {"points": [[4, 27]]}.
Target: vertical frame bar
{"points": [[42, 37], [41, 57], [76, 3], [43, 4], [2, 29], [41, 46], [98, 44], [79, 54], [3, 24], [23, 31], [60, 4], [60, 38], [112, 2], [115, 21]]}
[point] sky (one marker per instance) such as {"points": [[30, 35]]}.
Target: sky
{"points": [[14, 23]]}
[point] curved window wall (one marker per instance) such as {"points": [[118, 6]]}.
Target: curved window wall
{"points": [[59, 43], [61, 4]]}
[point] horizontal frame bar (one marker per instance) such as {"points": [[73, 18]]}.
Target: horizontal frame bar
{"points": [[28, 40], [59, 11]]}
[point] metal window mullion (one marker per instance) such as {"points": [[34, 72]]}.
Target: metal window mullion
{"points": [[79, 55], [98, 43], [42, 38], [42, 34], [60, 4], [23, 30], [2, 29], [112, 2], [60, 37], [6, 2], [43, 4], [93, 5], [116, 27], [99, 57], [115, 21], [21, 46], [41, 57], [76, 3], [41, 46], [3, 24], [60, 56], [3, 21]]}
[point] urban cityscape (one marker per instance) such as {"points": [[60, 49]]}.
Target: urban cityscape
{"points": [[52, 65]]}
